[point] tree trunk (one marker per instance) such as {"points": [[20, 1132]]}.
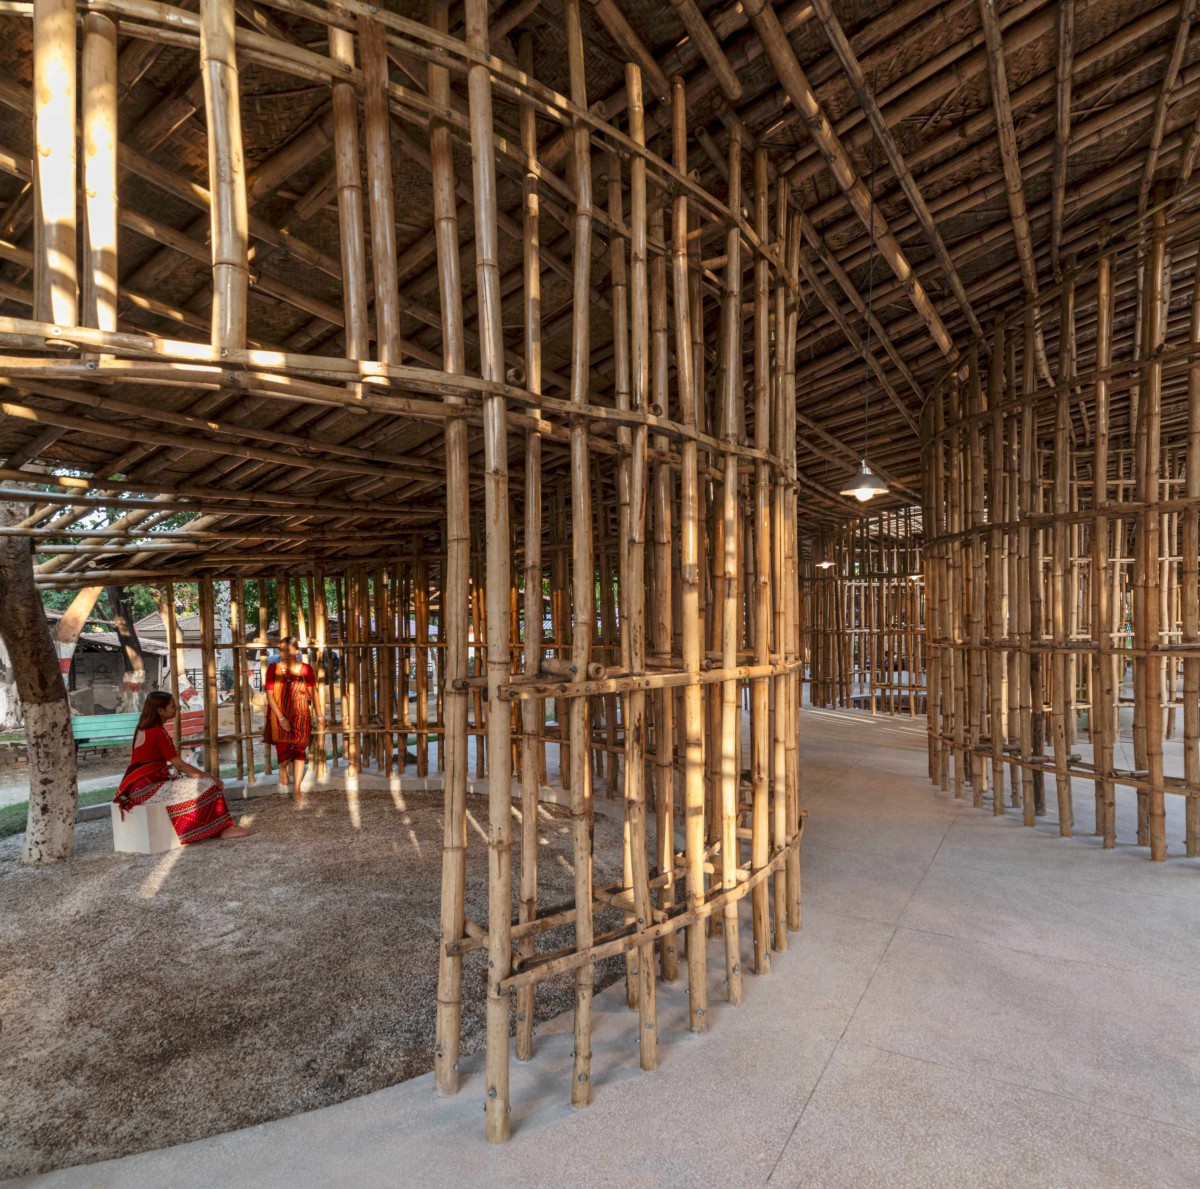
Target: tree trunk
{"points": [[53, 784], [66, 636], [133, 683], [10, 704]]}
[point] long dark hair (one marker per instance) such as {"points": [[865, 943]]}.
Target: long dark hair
{"points": [[152, 710], [293, 641]]}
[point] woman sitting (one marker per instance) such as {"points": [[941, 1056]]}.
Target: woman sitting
{"points": [[194, 800], [292, 695]]}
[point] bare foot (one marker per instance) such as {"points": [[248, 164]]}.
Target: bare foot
{"points": [[300, 798], [235, 832]]}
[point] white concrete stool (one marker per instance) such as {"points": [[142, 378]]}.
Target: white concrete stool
{"points": [[146, 830]]}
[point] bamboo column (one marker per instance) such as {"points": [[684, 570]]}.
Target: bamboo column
{"points": [[229, 213], [1190, 584], [1102, 717], [731, 716], [99, 79], [689, 545], [633, 592], [663, 602], [55, 291], [760, 727], [582, 564], [1060, 561], [533, 714], [381, 197], [455, 588], [1149, 537], [487, 267]]}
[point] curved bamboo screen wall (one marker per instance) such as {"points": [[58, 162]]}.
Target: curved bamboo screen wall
{"points": [[1061, 556], [673, 517], [864, 615]]}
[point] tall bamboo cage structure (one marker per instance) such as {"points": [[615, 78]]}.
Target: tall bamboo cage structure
{"points": [[505, 354]]}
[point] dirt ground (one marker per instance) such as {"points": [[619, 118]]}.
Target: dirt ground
{"points": [[150, 1000]]}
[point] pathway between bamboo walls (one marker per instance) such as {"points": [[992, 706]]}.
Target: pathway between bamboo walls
{"points": [[651, 527], [863, 593], [1061, 555]]}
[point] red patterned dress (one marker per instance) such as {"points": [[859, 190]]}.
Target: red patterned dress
{"points": [[293, 686], [197, 808]]}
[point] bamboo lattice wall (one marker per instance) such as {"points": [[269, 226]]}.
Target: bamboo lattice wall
{"points": [[1061, 561], [657, 508], [523, 338]]}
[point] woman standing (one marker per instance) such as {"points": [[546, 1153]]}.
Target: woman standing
{"points": [[292, 696], [194, 801]]}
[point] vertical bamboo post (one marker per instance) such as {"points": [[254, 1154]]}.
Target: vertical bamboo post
{"points": [[322, 668], [1149, 536], [1060, 561], [583, 570], [791, 572], [533, 713], [348, 172], [780, 686], [995, 577], [727, 609], [1034, 508], [381, 198], [176, 659], [760, 727], [56, 294], [1190, 583], [237, 660], [689, 546], [212, 762], [633, 589], [421, 598], [229, 214], [662, 604], [1104, 694], [487, 267], [99, 80], [455, 594]]}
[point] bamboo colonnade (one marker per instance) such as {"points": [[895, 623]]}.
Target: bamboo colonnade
{"points": [[1061, 549], [657, 509]]}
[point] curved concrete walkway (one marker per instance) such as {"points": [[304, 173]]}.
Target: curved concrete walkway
{"points": [[970, 1002]]}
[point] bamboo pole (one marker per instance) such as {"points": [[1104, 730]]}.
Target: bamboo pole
{"points": [[229, 213], [581, 559], [533, 716], [99, 81], [1190, 583], [633, 549], [455, 595], [760, 726], [54, 162], [689, 579], [479, 90], [1149, 536], [727, 608], [381, 196]]}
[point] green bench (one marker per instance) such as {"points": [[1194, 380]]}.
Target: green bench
{"points": [[112, 730]]}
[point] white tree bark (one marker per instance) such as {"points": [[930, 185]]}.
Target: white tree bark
{"points": [[10, 703], [53, 780]]}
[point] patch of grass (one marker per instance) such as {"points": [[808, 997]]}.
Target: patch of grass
{"points": [[14, 817]]}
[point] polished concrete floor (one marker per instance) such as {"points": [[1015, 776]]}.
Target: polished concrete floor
{"points": [[969, 1003]]}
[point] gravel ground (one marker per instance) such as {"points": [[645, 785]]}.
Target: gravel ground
{"points": [[150, 1000]]}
